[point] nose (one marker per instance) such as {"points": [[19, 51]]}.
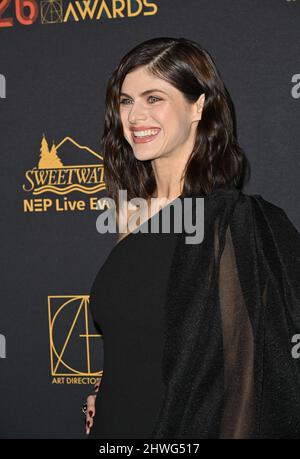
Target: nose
{"points": [[137, 112]]}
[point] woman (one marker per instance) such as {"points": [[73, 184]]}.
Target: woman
{"points": [[197, 337]]}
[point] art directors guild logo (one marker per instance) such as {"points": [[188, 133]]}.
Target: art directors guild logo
{"points": [[74, 346], [65, 168]]}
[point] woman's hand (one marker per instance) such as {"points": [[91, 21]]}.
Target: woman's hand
{"points": [[91, 410]]}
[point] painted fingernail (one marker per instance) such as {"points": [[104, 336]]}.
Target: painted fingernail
{"points": [[88, 423], [91, 413]]}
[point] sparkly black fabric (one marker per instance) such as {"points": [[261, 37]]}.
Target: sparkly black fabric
{"points": [[232, 309]]}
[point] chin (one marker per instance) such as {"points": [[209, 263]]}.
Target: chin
{"points": [[143, 156]]}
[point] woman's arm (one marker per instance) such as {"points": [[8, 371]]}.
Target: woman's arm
{"points": [[91, 410]]}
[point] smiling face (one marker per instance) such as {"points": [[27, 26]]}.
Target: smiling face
{"points": [[148, 103]]}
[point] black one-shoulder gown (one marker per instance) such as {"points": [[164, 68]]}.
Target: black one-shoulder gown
{"points": [[127, 304]]}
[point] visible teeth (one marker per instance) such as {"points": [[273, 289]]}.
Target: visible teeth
{"points": [[145, 133]]}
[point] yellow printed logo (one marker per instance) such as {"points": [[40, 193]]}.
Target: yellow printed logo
{"points": [[65, 168], [59, 11], [52, 175], [74, 344], [51, 11]]}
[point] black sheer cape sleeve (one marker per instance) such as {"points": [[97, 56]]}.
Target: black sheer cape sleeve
{"points": [[231, 312]]}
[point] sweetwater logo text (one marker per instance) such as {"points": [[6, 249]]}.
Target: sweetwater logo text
{"points": [[64, 170], [75, 346], [26, 12]]}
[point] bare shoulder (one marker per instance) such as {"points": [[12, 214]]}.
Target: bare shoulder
{"points": [[126, 213]]}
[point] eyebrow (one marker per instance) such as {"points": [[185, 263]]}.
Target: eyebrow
{"points": [[145, 92]]}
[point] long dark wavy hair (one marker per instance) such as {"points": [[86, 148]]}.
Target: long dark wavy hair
{"points": [[216, 161]]}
